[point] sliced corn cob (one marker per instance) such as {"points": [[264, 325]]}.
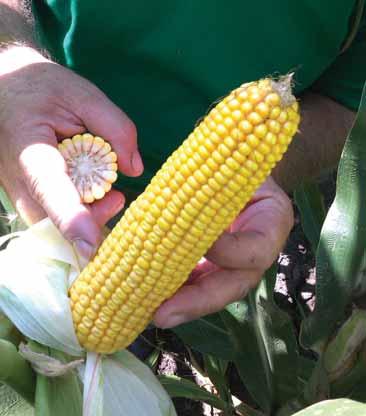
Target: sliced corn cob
{"points": [[196, 194], [91, 165]]}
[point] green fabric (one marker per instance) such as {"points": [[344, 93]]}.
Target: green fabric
{"points": [[165, 61], [344, 79]]}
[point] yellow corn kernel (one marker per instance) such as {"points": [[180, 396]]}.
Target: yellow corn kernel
{"points": [[196, 195], [91, 164]]}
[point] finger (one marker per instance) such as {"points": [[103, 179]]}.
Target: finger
{"points": [[204, 266], [259, 234], [27, 208], [242, 250], [103, 118], [49, 185], [64, 122], [209, 293], [105, 209]]}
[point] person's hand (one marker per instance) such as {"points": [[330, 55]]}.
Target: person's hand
{"points": [[237, 260], [40, 103]]}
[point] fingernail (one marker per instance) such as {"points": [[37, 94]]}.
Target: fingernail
{"points": [[136, 162], [174, 320], [84, 248]]}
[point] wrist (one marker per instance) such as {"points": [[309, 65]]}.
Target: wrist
{"points": [[16, 55]]}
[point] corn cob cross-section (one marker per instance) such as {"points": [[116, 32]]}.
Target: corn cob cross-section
{"points": [[91, 165], [195, 195]]}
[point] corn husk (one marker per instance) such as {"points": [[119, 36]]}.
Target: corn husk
{"points": [[38, 267]]}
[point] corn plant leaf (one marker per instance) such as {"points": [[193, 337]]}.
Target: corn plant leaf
{"points": [[265, 346], [8, 331], [250, 356], [16, 372], [242, 409], [57, 395], [341, 249], [317, 387], [12, 404], [11, 221], [345, 344], [180, 387], [152, 360], [358, 391], [351, 384], [216, 371], [4, 225], [199, 335], [310, 203], [341, 407]]}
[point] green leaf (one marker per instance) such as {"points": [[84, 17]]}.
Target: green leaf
{"points": [[317, 387], [265, 346], [216, 371], [152, 359], [345, 344], [358, 392], [4, 228], [11, 404], [250, 356], [352, 384], [8, 331], [310, 203], [16, 372], [14, 223], [342, 243], [57, 395], [243, 409], [207, 335], [180, 387], [337, 407]]}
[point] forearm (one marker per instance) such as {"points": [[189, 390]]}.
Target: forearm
{"points": [[14, 26], [317, 147]]}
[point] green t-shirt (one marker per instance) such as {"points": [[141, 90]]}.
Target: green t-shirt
{"points": [[165, 61]]}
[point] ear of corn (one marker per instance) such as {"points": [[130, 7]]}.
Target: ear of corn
{"points": [[195, 195], [91, 165]]}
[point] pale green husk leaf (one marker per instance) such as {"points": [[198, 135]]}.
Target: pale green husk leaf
{"points": [[120, 384], [37, 266], [40, 265], [131, 388], [93, 380]]}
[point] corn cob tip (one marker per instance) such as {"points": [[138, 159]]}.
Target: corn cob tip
{"points": [[91, 165], [283, 87]]}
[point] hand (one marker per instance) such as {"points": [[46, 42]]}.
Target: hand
{"points": [[40, 103], [237, 260]]}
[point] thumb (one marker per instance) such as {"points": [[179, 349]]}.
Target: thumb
{"points": [[48, 183], [103, 118]]}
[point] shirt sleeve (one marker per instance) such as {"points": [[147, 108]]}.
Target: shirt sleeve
{"points": [[343, 81]]}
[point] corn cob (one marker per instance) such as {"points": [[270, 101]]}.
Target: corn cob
{"points": [[196, 194], [91, 165]]}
